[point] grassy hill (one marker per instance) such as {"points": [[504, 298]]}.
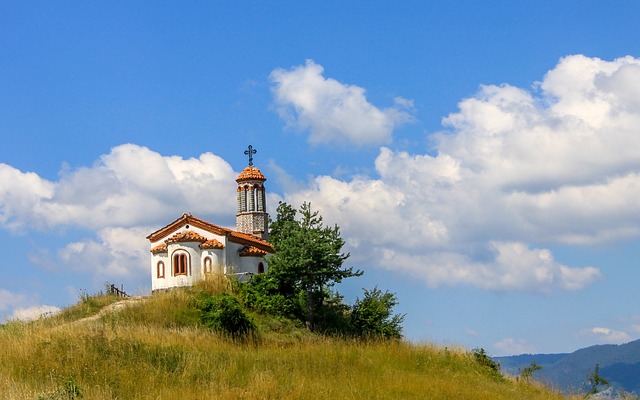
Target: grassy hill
{"points": [[155, 348]]}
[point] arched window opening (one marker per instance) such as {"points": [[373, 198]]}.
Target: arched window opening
{"points": [[180, 264], [252, 199], [207, 265], [246, 199], [160, 269], [261, 268], [260, 198], [243, 199]]}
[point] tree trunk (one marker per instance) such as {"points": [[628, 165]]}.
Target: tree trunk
{"points": [[309, 305]]}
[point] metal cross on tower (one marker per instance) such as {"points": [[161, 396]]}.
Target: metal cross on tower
{"points": [[250, 152]]}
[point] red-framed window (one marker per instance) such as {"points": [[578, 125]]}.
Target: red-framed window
{"points": [[160, 269], [180, 263]]}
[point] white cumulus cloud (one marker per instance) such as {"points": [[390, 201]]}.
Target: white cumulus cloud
{"points": [[118, 252], [332, 111], [607, 335], [34, 312], [515, 172], [130, 186], [21, 194], [9, 299], [511, 266], [19, 306], [119, 200]]}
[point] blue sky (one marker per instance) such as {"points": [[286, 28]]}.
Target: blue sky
{"points": [[481, 158]]}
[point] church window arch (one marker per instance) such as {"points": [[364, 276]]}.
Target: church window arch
{"points": [[243, 199], [252, 199], [261, 268], [181, 264], [260, 198], [160, 269], [208, 265]]}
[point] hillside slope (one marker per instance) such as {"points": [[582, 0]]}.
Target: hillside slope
{"points": [[155, 349]]}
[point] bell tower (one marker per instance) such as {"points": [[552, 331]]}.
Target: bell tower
{"points": [[252, 217]]}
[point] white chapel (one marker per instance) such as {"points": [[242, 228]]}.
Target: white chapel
{"points": [[189, 248]]}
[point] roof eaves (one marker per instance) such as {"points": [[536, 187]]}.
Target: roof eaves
{"points": [[246, 239], [186, 219]]}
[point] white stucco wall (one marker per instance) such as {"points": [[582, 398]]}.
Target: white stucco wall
{"points": [[226, 260]]}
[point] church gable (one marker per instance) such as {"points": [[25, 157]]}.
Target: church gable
{"points": [[188, 221]]}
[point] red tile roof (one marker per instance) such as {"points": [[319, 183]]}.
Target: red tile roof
{"points": [[212, 244], [233, 236], [250, 173], [187, 236], [161, 248], [250, 251]]}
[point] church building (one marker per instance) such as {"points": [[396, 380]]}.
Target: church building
{"points": [[189, 248]]}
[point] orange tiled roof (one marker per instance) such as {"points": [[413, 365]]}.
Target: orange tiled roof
{"points": [[161, 248], [250, 173], [187, 236], [212, 244], [233, 236], [250, 251]]}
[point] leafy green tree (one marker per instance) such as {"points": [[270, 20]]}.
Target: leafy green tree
{"points": [[334, 315], [308, 256], [372, 316], [307, 263]]}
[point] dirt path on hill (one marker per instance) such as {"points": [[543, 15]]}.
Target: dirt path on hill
{"points": [[113, 307]]}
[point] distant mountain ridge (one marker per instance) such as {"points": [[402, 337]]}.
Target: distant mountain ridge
{"points": [[619, 364]]}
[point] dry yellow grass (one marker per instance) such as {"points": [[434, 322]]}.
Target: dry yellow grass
{"points": [[149, 351]]}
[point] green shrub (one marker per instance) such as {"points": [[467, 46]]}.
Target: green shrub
{"points": [[372, 316], [261, 294], [482, 359], [223, 313], [333, 316]]}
